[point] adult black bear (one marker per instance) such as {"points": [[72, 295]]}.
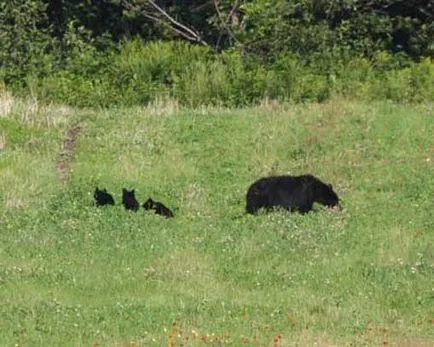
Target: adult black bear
{"points": [[102, 197], [129, 200], [158, 207], [293, 193]]}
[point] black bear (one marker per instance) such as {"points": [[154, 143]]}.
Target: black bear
{"points": [[293, 193], [129, 200], [102, 197], [158, 207]]}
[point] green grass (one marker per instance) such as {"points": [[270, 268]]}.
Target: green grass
{"points": [[72, 274]]}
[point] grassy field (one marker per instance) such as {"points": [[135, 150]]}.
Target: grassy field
{"points": [[72, 274]]}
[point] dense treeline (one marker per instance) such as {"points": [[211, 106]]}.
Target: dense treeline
{"points": [[235, 52]]}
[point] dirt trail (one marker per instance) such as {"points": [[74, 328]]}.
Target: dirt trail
{"points": [[67, 153]]}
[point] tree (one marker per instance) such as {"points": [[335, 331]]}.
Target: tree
{"points": [[26, 39]]}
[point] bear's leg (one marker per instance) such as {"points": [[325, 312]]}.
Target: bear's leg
{"points": [[305, 208], [251, 208]]}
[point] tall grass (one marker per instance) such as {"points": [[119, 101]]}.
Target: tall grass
{"points": [[137, 74]]}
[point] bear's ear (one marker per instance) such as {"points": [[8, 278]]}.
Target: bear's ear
{"points": [[330, 186], [132, 191]]}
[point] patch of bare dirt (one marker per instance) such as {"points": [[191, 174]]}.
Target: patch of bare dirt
{"points": [[2, 142], [67, 153], [381, 336]]}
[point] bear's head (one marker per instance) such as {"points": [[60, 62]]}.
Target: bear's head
{"points": [[99, 193], [148, 204], [128, 195], [325, 195]]}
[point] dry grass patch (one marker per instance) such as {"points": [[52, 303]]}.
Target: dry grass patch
{"points": [[163, 106], [2, 142], [6, 103], [31, 112]]}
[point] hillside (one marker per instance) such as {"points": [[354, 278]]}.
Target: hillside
{"points": [[72, 274]]}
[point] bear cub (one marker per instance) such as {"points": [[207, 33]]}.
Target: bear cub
{"points": [[102, 197], [292, 193], [158, 207], [129, 200]]}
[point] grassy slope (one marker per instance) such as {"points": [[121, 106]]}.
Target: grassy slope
{"points": [[72, 274]]}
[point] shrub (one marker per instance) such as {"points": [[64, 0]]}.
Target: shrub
{"points": [[414, 83], [138, 73], [141, 72], [26, 43]]}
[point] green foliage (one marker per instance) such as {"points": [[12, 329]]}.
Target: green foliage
{"points": [[81, 77], [143, 72], [321, 27], [83, 54], [413, 83], [288, 79], [26, 42], [138, 73], [74, 89], [224, 80]]}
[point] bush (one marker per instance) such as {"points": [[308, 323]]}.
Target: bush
{"points": [[289, 79], [26, 43], [142, 72], [76, 90], [136, 73], [414, 83]]}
